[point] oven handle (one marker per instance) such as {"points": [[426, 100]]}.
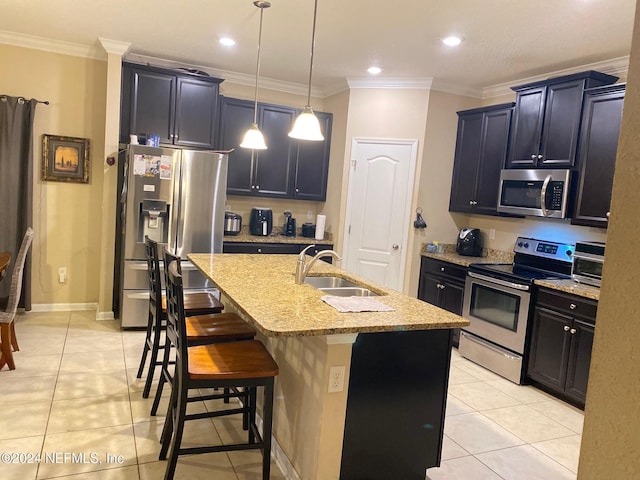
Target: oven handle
{"points": [[543, 196], [503, 283]]}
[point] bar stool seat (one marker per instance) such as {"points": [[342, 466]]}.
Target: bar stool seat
{"points": [[239, 365]]}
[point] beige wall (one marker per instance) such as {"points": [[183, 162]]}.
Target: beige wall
{"points": [[611, 438], [67, 216]]}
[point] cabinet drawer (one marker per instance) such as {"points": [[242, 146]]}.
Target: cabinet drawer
{"points": [[438, 267], [271, 248], [568, 304]]}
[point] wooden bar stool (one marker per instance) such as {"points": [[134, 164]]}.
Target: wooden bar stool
{"points": [[198, 303], [245, 365], [200, 330]]}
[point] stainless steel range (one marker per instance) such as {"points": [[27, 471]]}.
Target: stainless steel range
{"points": [[497, 301]]}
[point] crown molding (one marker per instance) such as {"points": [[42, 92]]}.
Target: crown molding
{"points": [[408, 83], [616, 66], [114, 46], [232, 77], [49, 45]]}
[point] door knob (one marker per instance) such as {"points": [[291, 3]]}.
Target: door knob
{"points": [[395, 246]]}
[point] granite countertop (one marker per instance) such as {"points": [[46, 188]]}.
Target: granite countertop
{"points": [[571, 286], [263, 290], [276, 237], [449, 255]]}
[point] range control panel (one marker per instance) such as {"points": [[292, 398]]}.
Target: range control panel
{"points": [[542, 248]]}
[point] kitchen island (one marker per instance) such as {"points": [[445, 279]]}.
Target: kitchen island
{"points": [[387, 421]]}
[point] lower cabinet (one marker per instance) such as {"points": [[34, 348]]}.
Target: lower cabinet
{"points": [[442, 284], [275, 248], [561, 340]]}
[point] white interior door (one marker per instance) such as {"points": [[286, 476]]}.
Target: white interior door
{"points": [[378, 209]]}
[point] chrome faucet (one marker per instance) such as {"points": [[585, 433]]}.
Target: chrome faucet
{"points": [[302, 267]]}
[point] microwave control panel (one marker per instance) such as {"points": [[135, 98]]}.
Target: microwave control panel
{"points": [[556, 195]]}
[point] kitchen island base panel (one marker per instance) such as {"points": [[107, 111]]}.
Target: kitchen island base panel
{"points": [[395, 406]]}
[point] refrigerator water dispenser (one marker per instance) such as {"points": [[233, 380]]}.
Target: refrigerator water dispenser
{"points": [[154, 220]]}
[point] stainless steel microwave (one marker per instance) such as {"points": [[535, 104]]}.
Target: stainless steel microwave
{"points": [[535, 192]]}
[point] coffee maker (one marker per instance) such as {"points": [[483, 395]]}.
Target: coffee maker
{"points": [[289, 228], [261, 221]]}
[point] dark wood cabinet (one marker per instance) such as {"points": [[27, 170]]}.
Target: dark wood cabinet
{"points": [[561, 340], [442, 284], [599, 133], [546, 121], [179, 107], [481, 152], [312, 164], [275, 248], [288, 168]]}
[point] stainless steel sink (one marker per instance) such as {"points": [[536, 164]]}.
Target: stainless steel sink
{"points": [[329, 282], [340, 287], [349, 292]]}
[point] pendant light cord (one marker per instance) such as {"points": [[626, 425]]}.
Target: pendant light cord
{"points": [[262, 6], [313, 46]]}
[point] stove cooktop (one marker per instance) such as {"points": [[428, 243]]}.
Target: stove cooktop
{"points": [[512, 271]]}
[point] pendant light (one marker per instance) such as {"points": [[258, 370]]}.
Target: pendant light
{"points": [[253, 138], [307, 126]]}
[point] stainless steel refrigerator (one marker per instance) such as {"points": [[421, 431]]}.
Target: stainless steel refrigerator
{"points": [[177, 198]]}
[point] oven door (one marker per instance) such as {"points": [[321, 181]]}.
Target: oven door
{"points": [[497, 310]]}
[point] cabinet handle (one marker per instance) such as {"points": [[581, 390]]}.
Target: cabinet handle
{"points": [[567, 328], [608, 214], [539, 157], [475, 203], [470, 202], [572, 331], [573, 306], [442, 269], [297, 190], [257, 187], [534, 156], [259, 250]]}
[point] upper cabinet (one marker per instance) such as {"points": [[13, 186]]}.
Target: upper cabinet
{"points": [[180, 107], [481, 151], [546, 121], [288, 168], [597, 154]]}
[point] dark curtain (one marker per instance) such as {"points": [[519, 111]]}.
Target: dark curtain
{"points": [[16, 184]]}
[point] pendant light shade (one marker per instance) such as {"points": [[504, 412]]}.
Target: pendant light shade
{"points": [[254, 139], [307, 126]]}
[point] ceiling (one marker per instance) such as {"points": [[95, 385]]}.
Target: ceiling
{"points": [[504, 40]]}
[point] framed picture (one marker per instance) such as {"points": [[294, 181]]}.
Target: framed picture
{"points": [[65, 159]]}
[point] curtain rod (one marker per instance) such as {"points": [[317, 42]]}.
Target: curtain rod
{"points": [[22, 99]]}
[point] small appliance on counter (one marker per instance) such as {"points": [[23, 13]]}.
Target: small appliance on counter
{"points": [[588, 260], [308, 230], [232, 223], [289, 228], [261, 221], [469, 242]]}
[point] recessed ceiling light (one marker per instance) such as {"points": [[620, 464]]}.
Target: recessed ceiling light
{"points": [[227, 42], [452, 41], [374, 70]]}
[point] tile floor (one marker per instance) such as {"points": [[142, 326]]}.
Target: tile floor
{"points": [[74, 391], [496, 430]]}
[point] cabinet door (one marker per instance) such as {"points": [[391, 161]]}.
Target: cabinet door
{"points": [[196, 113], [492, 160], [451, 298], [274, 166], [465, 164], [561, 124], [153, 103], [597, 156], [312, 164], [579, 360], [429, 289], [236, 117], [549, 348], [527, 128]]}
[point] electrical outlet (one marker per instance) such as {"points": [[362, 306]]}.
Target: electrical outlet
{"points": [[492, 234], [336, 379], [62, 275]]}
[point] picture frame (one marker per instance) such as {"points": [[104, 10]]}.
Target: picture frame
{"points": [[65, 159]]}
